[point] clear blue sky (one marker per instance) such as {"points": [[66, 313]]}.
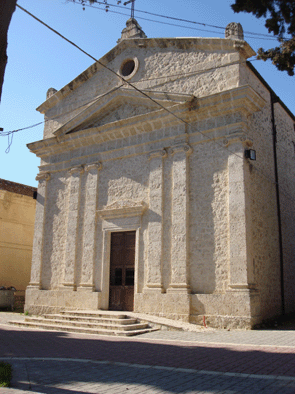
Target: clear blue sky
{"points": [[38, 59]]}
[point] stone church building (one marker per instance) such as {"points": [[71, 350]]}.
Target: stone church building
{"points": [[148, 200]]}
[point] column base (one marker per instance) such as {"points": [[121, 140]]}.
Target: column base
{"points": [[61, 299], [179, 288], [34, 285], [68, 286], [85, 287], [241, 286], [153, 288]]}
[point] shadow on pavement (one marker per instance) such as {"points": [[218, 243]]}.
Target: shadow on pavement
{"points": [[218, 358]]}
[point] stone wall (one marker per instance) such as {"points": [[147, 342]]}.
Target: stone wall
{"points": [[17, 215], [266, 257], [204, 215], [286, 175], [200, 70]]}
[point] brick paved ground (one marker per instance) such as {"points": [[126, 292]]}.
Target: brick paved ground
{"points": [[159, 362]]}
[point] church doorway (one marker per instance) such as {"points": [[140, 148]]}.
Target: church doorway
{"points": [[122, 271]]}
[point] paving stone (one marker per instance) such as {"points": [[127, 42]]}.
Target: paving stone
{"points": [[169, 364]]}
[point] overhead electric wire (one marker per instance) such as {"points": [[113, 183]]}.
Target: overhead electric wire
{"points": [[99, 62], [103, 65], [144, 94], [169, 17], [5, 133], [172, 24]]}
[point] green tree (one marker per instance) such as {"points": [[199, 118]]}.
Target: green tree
{"points": [[7, 8], [280, 20]]}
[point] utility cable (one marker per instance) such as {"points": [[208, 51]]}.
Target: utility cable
{"points": [[4, 134], [174, 24], [172, 18], [96, 99], [99, 62], [113, 72], [10, 134]]}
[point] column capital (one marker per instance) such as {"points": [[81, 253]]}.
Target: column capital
{"points": [[75, 169], [158, 153], [186, 148], [237, 138], [43, 176], [93, 166]]}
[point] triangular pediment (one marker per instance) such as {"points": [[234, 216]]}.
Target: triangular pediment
{"points": [[121, 104]]}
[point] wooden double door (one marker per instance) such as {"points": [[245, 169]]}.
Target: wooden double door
{"points": [[122, 271]]}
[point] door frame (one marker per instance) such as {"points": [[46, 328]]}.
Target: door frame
{"points": [[118, 224], [123, 273]]}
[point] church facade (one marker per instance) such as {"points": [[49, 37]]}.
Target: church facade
{"points": [[147, 198]]}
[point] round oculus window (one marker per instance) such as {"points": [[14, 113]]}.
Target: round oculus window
{"points": [[128, 68]]}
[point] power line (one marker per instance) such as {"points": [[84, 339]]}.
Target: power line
{"points": [[6, 133], [103, 65], [172, 18], [152, 20], [10, 134], [144, 94], [99, 62]]}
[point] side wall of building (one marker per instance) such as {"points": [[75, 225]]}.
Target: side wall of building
{"points": [[17, 216], [265, 224], [286, 174]]}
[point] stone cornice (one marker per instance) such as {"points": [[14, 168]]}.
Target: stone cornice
{"points": [[239, 100], [243, 48], [113, 100], [209, 44], [122, 208]]}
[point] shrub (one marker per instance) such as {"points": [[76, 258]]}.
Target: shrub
{"points": [[5, 374]]}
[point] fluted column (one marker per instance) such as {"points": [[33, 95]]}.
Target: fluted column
{"points": [[155, 227], [37, 257], [87, 267], [180, 229], [72, 226]]}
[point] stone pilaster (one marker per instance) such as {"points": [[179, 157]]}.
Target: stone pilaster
{"points": [[87, 268], [241, 266], [155, 226], [72, 226], [180, 227], [37, 256]]}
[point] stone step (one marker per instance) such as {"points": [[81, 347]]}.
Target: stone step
{"points": [[96, 325], [95, 319], [81, 330], [100, 314]]}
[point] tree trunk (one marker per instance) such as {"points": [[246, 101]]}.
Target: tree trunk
{"points": [[7, 8]]}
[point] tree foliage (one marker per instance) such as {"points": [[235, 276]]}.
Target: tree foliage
{"points": [[280, 20]]}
